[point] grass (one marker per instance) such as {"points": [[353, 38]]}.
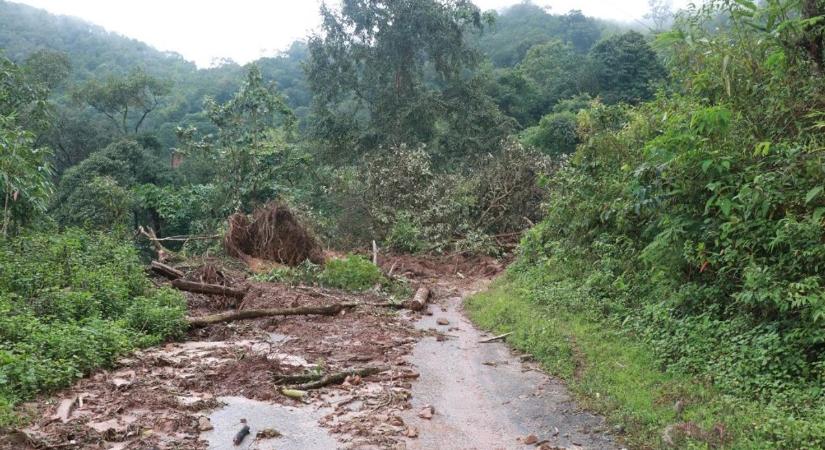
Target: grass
{"points": [[613, 374]]}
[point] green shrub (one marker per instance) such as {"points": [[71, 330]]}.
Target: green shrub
{"points": [[70, 303], [351, 273], [693, 225], [554, 135], [405, 234]]}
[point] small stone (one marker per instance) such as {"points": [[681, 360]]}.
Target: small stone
{"points": [[530, 439], [442, 321], [396, 421], [204, 424], [426, 412], [411, 432]]}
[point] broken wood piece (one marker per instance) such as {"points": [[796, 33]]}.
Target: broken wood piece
{"points": [[241, 435], [419, 300], [211, 289], [163, 252], [494, 338], [64, 409], [374, 253], [165, 270], [338, 378], [294, 393], [331, 310]]}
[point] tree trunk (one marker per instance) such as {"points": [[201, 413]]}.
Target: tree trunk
{"points": [[419, 301], [211, 289], [167, 271], [331, 310]]}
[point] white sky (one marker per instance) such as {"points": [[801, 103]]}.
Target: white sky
{"points": [[244, 30]]}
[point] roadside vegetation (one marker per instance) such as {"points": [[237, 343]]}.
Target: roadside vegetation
{"points": [[676, 281], [70, 303]]}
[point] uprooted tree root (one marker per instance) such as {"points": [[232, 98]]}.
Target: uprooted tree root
{"points": [[272, 233]]}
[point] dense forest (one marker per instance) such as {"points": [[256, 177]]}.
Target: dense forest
{"points": [[658, 190]]}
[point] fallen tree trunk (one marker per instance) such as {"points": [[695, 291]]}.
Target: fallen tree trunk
{"points": [[211, 289], [199, 322], [419, 301], [337, 378], [165, 270]]}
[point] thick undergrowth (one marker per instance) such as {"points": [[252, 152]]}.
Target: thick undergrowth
{"points": [[71, 303], [691, 228]]}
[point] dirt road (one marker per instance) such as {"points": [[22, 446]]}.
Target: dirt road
{"points": [[201, 393], [488, 398]]}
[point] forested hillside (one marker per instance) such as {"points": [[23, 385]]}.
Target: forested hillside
{"points": [[659, 194]]}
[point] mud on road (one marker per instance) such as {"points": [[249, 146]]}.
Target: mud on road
{"points": [[441, 389]]}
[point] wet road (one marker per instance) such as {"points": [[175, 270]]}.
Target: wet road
{"points": [[484, 397]]}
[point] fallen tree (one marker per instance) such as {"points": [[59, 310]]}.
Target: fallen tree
{"points": [[230, 316], [211, 289]]}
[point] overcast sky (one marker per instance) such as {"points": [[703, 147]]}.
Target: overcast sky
{"points": [[244, 30]]}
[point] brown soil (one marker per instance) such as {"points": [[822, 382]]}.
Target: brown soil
{"points": [[160, 398], [155, 398]]}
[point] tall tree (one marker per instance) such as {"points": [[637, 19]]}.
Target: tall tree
{"points": [[557, 70], [625, 67], [126, 101], [395, 70], [25, 175], [254, 147]]}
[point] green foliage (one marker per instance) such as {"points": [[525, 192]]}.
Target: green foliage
{"points": [[70, 303], [611, 372], [554, 135], [402, 200], [378, 81], [95, 193], [524, 25], [351, 273], [253, 152], [556, 68], [126, 101], [693, 224], [405, 234], [98, 204], [625, 68], [25, 176]]}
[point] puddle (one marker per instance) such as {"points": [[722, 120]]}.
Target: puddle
{"points": [[298, 426]]}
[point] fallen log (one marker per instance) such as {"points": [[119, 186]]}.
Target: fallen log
{"points": [[337, 378], [211, 289], [165, 270], [419, 301], [199, 322]]}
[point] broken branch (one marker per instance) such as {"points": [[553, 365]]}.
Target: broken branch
{"points": [[337, 378], [495, 338], [199, 322], [211, 289]]}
